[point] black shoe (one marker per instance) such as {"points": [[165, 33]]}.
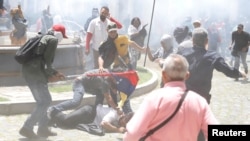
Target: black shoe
{"points": [[52, 124], [45, 132], [51, 112], [28, 133]]}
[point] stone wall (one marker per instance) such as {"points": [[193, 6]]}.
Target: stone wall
{"points": [[69, 59]]}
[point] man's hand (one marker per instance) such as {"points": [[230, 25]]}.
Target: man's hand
{"points": [[86, 51], [122, 130], [101, 69], [160, 61], [56, 77], [108, 16], [144, 49]]}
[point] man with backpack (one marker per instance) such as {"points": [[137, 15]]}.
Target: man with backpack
{"points": [[37, 72]]}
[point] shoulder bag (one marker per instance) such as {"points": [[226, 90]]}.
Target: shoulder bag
{"points": [[150, 132]]}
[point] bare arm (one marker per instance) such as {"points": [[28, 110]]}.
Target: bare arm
{"points": [[100, 63], [88, 38], [110, 101], [111, 128], [136, 46], [150, 56], [119, 25]]}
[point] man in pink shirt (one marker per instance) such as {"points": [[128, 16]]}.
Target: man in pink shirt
{"points": [[194, 114]]}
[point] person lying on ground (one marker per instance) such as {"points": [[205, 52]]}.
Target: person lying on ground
{"points": [[96, 120], [106, 85]]}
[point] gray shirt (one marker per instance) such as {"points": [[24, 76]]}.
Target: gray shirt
{"points": [[40, 68]]}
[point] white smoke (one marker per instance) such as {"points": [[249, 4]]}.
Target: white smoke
{"points": [[167, 13]]}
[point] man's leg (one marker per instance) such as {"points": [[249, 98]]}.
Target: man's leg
{"points": [[43, 100], [243, 56], [43, 129], [78, 90], [85, 114], [201, 136], [237, 63]]}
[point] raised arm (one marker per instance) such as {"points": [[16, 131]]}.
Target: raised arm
{"points": [[136, 46], [88, 38], [119, 25]]}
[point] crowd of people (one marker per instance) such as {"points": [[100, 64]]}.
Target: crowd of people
{"points": [[186, 69]]}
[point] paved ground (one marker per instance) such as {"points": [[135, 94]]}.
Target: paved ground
{"points": [[230, 104]]}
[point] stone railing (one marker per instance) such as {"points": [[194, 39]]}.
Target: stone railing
{"points": [[69, 59]]}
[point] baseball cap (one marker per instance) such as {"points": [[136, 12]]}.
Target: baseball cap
{"points": [[196, 23], [112, 26], [60, 28]]}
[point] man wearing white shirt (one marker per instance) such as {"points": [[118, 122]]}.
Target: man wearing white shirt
{"points": [[97, 32]]}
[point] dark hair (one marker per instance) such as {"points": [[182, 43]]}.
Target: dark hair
{"points": [[127, 117], [135, 18], [105, 7], [180, 33], [200, 37], [240, 26]]}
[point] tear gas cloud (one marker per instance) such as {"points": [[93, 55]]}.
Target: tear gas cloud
{"points": [[168, 14]]}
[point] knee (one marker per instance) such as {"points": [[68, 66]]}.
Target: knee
{"points": [[76, 102], [89, 108]]}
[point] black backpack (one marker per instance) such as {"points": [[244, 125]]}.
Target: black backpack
{"points": [[26, 51]]}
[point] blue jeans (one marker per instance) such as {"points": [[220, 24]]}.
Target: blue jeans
{"points": [[79, 91], [243, 56], [43, 100]]}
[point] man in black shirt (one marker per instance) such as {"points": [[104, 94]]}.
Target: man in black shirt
{"points": [[201, 65], [203, 62], [240, 43]]}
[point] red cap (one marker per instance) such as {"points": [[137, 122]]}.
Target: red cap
{"points": [[60, 28]]}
